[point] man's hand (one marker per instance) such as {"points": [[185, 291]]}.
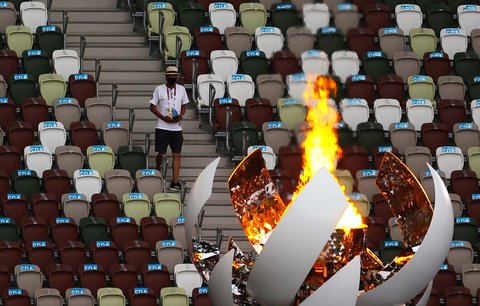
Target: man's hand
{"points": [[168, 119]]}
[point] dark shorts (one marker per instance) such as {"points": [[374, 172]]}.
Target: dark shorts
{"points": [[164, 138]]}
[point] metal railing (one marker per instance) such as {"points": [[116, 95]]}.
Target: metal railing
{"points": [[131, 122], [148, 143], [228, 123], [178, 50], [98, 70], [83, 45], [65, 19], [194, 82], [114, 99], [211, 96], [161, 25]]}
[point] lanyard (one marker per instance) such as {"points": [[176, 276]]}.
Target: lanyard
{"points": [[173, 91]]}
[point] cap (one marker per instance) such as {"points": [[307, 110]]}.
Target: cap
{"points": [[171, 70]]}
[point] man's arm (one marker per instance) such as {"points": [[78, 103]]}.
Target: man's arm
{"points": [[155, 111]]}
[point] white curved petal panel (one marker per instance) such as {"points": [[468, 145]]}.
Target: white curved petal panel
{"points": [[297, 241], [421, 269], [220, 283], [426, 295], [340, 290], [198, 196]]}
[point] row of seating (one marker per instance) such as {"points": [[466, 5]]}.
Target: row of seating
{"points": [[32, 14]]}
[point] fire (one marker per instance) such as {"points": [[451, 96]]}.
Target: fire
{"points": [[320, 147]]}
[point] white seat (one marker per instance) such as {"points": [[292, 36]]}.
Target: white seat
{"points": [[354, 111], [387, 111], [269, 40], [419, 111], [453, 40], [240, 87], [66, 62], [224, 63], [468, 16], [34, 14], [222, 15], [296, 85], [315, 16], [408, 16], [87, 182], [37, 158], [345, 64], [268, 155], [187, 277], [203, 84], [52, 134], [449, 159], [315, 62], [475, 111]]}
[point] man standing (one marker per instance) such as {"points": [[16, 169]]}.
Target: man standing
{"points": [[169, 105]]}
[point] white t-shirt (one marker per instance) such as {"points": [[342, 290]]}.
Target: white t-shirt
{"points": [[169, 102]]}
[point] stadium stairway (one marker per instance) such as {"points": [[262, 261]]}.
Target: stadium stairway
{"points": [[126, 62]]}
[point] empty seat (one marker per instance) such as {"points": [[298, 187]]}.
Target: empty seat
{"points": [[366, 183], [84, 88], [439, 16], [75, 206], [408, 16], [315, 62], [375, 64], [460, 253], [83, 134], [299, 40], [291, 112], [238, 39], [123, 229], [66, 63], [467, 15], [37, 158], [449, 159], [137, 254], [174, 296], [48, 296], [49, 39], [451, 111], [87, 182], [451, 87], [419, 111], [391, 87], [187, 59], [284, 16], [187, 277], [473, 159], [34, 229], [69, 159], [8, 14], [26, 182], [285, 63], [252, 16], [330, 39], [63, 229], [465, 230], [66, 111], [167, 206], [268, 155], [101, 159], [387, 112], [115, 135], [8, 112], [34, 14], [434, 135], [142, 296], [345, 64], [52, 86], [421, 87], [19, 38], [60, 277], [360, 40], [136, 205], [110, 296], [52, 134], [18, 297], [464, 183], [222, 15], [315, 16], [436, 64], [222, 107], [21, 86], [171, 34], [391, 40], [275, 135], [72, 253], [416, 158], [35, 63], [354, 112], [346, 16], [453, 40], [156, 277], [131, 158], [354, 158], [191, 15], [269, 40], [370, 135], [423, 40], [254, 63], [467, 65], [15, 206], [377, 16], [79, 296], [105, 254], [40, 253], [124, 277], [208, 39], [154, 9], [240, 87], [93, 230], [11, 255], [169, 253], [9, 63], [149, 182], [105, 206], [361, 86], [92, 277], [203, 84], [296, 85]]}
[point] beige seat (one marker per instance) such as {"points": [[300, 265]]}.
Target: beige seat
{"points": [[275, 135], [238, 39], [345, 179], [456, 204], [271, 87], [118, 182], [346, 16], [79, 297], [299, 39], [69, 158], [48, 297], [391, 40], [8, 16], [173, 296], [426, 180], [178, 230], [460, 253], [451, 87], [98, 111], [115, 134], [416, 158], [28, 277], [169, 253], [75, 206], [466, 135], [67, 110], [3, 87], [149, 182], [402, 136], [366, 183], [471, 276], [405, 64], [394, 229]]}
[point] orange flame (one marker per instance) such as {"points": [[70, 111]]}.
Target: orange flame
{"points": [[320, 146]]}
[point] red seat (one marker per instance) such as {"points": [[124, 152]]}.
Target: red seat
{"points": [[142, 297], [105, 206], [72, 253], [63, 229], [354, 158], [83, 135], [9, 63], [16, 297], [290, 158], [284, 183], [60, 277], [379, 153], [82, 87], [20, 134], [285, 63], [200, 297], [361, 86], [436, 64], [456, 296], [15, 206], [9, 159], [377, 16], [186, 59], [8, 112], [434, 135], [34, 111], [137, 253], [45, 206], [156, 277], [391, 87], [106, 256], [259, 111], [124, 229], [451, 111], [444, 279], [10, 255], [464, 183], [376, 232], [34, 229], [92, 277], [381, 208], [153, 229], [361, 40], [362, 4], [124, 277], [221, 107], [56, 182], [4, 183], [208, 39], [4, 278], [40, 253], [433, 300]]}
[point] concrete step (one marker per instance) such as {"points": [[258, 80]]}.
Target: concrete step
{"points": [[146, 65], [116, 53], [149, 125], [132, 77], [129, 89], [143, 112], [85, 28], [91, 15], [83, 4], [199, 161]]}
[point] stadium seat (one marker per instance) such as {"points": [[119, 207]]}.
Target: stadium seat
{"points": [[83, 88], [142, 296], [268, 155], [105, 254], [153, 11], [137, 254], [66, 111], [315, 62], [63, 229], [460, 253], [375, 64], [465, 229], [296, 86], [174, 296], [391, 40], [451, 111], [105, 206], [449, 159], [474, 88], [243, 135], [52, 86], [436, 64], [464, 183], [69, 159], [49, 39], [408, 16], [421, 87], [363, 206], [60, 277], [178, 230], [381, 208], [28, 278], [117, 183], [115, 135], [444, 279], [391, 87], [167, 206], [389, 249], [92, 277], [254, 63], [451, 87], [470, 277], [123, 229], [238, 39], [330, 39], [187, 277], [123, 277], [275, 135], [191, 15], [8, 15], [8, 230], [360, 40], [66, 63], [252, 16], [13, 296], [169, 253], [345, 64], [472, 205], [156, 277], [9, 63], [354, 112], [87, 182], [377, 16], [131, 158], [456, 204], [208, 39], [475, 40], [34, 229], [72, 252], [259, 111], [149, 182], [299, 40], [153, 230], [48, 296], [4, 182], [37, 158], [416, 158], [370, 135], [346, 16], [3, 87], [434, 135], [19, 38], [240, 87], [376, 232], [110, 297], [366, 183], [35, 63], [34, 14], [75, 206], [25, 182], [291, 112], [284, 16], [52, 135], [387, 112], [187, 58], [419, 111], [136, 206], [223, 106], [34, 111], [203, 84], [94, 231], [473, 159], [101, 159], [79, 296], [439, 16], [40, 253], [83, 134], [379, 153], [453, 40], [269, 40], [15, 208], [171, 34], [354, 158], [316, 16], [467, 16], [270, 87], [222, 15], [21, 86], [423, 40], [467, 65]]}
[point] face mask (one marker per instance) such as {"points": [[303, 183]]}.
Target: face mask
{"points": [[171, 81]]}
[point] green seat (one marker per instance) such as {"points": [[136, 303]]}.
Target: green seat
{"points": [[26, 182], [191, 15], [93, 229], [474, 88], [52, 86], [19, 38], [465, 229], [49, 39], [154, 10], [8, 230], [421, 87], [176, 4], [100, 158], [467, 65], [284, 16], [345, 135], [423, 40], [173, 296], [252, 16], [440, 16], [389, 249], [370, 135], [291, 112], [330, 39], [167, 206], [136, 206], [35, 63], [376, 64], [244, 135], [110, 297], [254, 63], [131, 158], [474, 159], [171, 34], [21, 86]]}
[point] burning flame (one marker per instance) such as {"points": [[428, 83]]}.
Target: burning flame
{"points": [[320, 146]]}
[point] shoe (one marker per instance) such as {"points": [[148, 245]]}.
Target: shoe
{"points": [[175, 187]]}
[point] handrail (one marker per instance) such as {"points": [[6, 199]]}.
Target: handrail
{"points": [[245, 140], [98, 70], [114, 99], [164, 168], [201, 217], [211, 96], [194, 82], [83, 45], [219, 239], [161, 25], [147, 147], [228, 123], [131, 121], [65, 19], [183, 194], [178, 50], [49, 8]]}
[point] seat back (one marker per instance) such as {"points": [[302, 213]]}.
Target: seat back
{"points": [[187, 277], [315, 16], [79, 297], [252, 16], [149, 182], [101, 159], [222, 15], [87, 182], [436, 64], [224, 63], [453, 40], [203, 84], [66, 62], [405, 64], [153, 11], [136, 206], [402, 136], [66, 111], [131, 158], [50, 38], [29, 278], [466, 135], [170, 40], [346, 16], [419, 111], [35, 62], [115, 135], [354, 112], [408, 16], [291, 112], [69, 159], [238, 39], [387, 112], [52, 135], [345, 64], [52, 86], [315, 62], [269, 40], [460, 253], [83, 87], [34, 14], [19, 38], [169, 253], [421, 87], [38, 158], [75, 206], [467, 15], [167, 206]]}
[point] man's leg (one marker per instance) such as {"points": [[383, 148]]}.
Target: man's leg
{"points": [[161, 143], [176, 167], [159, 160], [176, 146]]}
